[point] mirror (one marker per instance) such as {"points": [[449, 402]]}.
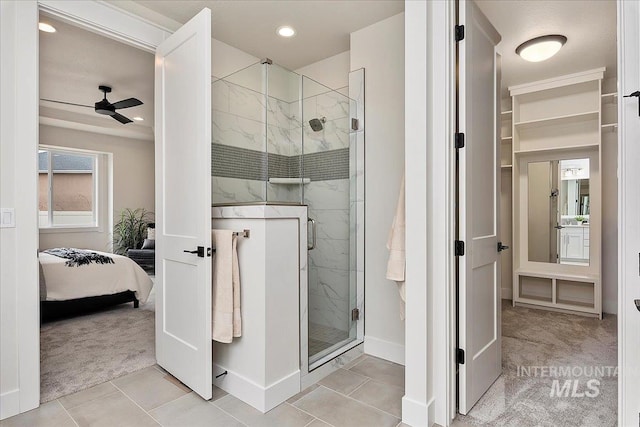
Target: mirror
{"points": [[558, 197]]}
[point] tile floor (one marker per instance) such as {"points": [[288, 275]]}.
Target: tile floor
{"points": [[366, 392], [323, 337]]}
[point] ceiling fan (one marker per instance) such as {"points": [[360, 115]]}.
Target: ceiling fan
{"points": [[107, 108]]}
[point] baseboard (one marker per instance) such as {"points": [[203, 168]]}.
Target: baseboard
{"points": [[9, 404], [610, 307], [386, 350], [262, 398], [418, 414], [507, 293]]}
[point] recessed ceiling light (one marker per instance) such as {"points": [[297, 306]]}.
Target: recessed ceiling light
{"points": [[541, 48], [286, 31], [47, 28], [138, 119]]}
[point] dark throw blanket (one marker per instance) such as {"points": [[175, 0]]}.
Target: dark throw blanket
{"points": [[78, 257]]}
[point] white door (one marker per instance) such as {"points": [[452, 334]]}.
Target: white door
{"points": [[629, 206], [479, 207], [183, 204]]}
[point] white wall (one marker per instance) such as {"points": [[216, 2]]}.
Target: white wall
{"points": [[332, 71], [379, 49], [227, 59], [19, 322], [132, 178]]}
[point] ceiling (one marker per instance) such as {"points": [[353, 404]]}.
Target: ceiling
{"points": [[590, 28], [74, 62], [323, 27]]}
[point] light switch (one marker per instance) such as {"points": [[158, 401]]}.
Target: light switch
{"points": [[7, 218]]}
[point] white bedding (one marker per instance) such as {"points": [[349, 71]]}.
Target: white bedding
{"points": [[65, 283]]}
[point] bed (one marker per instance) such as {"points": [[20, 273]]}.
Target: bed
{"points": [[69, 291]]}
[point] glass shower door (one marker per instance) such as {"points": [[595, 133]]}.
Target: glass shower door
{"points": [[328, 159]]}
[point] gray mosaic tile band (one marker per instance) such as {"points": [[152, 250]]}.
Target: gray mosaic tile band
{"points": [[241, 163], [233, 162], [323, 166]]}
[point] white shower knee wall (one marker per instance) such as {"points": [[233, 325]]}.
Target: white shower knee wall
{"points": [[379, 49]]}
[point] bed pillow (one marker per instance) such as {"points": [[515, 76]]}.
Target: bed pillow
{"points": [[151, 233], [149, 244]]}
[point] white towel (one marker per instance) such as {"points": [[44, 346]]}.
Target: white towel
{"points": [[226, 319], [396, 246]]}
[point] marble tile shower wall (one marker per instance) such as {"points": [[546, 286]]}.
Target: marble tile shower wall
{"points": [[329, 204], [245, 130], [245, 119]]}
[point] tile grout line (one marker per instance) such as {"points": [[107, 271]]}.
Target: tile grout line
{"points": [[308, 413], [228, 413], [171, 401], [360, 402], [363, 359], [368, 380], [67, 412], [135, 403]]}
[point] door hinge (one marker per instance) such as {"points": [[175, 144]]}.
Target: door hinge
{"points": [[460, 356], [459, 32], [355, 314], [459, 247], [459, 140]]}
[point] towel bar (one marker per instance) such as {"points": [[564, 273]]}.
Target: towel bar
{"points": [[244, 233]]}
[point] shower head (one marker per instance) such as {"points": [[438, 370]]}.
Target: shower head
{"points": [[317, 124]]}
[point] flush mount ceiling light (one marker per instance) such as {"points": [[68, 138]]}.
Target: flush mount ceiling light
{"points": [[47, 28], [286, 31], [138, 119], [541, 48]]}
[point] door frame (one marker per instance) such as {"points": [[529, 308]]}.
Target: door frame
{"points": [[97, 17], [440, 58], [628, 205], [432, 398]]}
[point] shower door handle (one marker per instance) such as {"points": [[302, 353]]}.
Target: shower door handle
{"points": [[314, 235]]}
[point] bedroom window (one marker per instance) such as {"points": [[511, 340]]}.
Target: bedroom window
{"points": [[67, 183]]}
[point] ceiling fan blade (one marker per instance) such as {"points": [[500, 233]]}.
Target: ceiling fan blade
{"points": [[126, 103], [66, 103], [122, 119]]}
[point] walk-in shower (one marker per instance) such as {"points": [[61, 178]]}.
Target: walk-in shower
{"points": [[283, 138]]}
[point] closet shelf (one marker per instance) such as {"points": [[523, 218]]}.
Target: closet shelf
{"points": [[558, 149], [610, 127], [560, 120], [506, 166], [289, 181], [610, 98], [506, 138], [506, 113]]}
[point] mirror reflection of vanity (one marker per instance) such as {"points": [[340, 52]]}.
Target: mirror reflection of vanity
{"points": [[558, 217], [557, 194]]}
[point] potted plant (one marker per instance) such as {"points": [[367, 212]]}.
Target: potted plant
{"points": [[130, 230]]}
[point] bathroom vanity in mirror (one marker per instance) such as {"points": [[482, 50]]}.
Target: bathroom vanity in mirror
{"points": [[556, 157]]}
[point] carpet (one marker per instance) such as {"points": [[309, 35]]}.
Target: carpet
{"points": [[539, 338], [84, 351]]}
